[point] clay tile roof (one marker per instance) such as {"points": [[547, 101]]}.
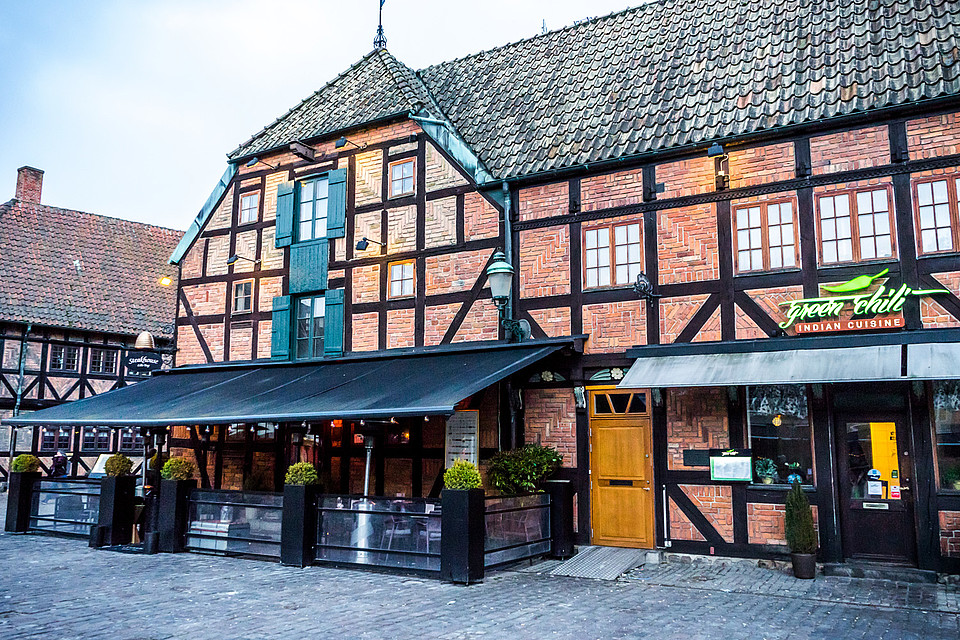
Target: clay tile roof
{"points": [[663, 75], [116, 290]]}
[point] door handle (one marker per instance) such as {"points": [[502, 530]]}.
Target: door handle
{"points": [[646, 488]]}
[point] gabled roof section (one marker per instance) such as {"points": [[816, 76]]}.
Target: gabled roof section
{"points": [[378, 86], [113, 285], [684, 72]]}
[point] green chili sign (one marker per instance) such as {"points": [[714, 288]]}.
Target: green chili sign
{"points": [[813, 315]]}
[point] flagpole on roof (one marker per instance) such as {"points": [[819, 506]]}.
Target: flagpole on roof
{"points": [[380, 42]]}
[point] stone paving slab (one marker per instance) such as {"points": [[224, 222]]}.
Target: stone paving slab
{"points": [[61, 589]]}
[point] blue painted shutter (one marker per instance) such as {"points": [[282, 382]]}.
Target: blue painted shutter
{"points": [[308, 266], [337, 203], [333, 323], [280, 337], [285, 208]]}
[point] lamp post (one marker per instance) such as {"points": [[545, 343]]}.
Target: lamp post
{"points": [[500, 276]]}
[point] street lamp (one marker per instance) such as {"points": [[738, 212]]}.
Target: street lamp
{"points": [[500, 276]]}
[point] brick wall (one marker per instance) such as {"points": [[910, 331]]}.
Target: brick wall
{"points": [[452, 272], [931, 312], [440, 222], [218, 251], [850, 150], [554, 322], [192, 264], [206, 299], [675, 313], [188, 347], [269, 289], [365, 331], [368, 177], [440, 173], [715, 502], [545, 262], [687, 177], [746, 328], [246, 246], [696, 419], [402, 229], [264, 338], [544, 201], [222, 216], [950, 534], [550, 419], [611, 190], [680, 526], [270, 256], [614, 327], [687, 247], [437, 320], [213, 336], [367, 225], [366, 284], [400, 325], [765, 523], [480, 218], [769, 299], [272, 181], [481, 322], [934, 136], [241, 341], [759, 165], [710, 332]]}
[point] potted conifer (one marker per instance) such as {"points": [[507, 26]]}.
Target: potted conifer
{"points": [[801, 534], [298, 531]]}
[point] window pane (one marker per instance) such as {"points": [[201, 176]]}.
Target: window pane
{"points": [[775, 236], [843, 227], [864, 202], [773, 214], [779, 430], [592, 239], [306, 191], [929, 238], [845, 250], [775, 258], [395, 288], [944, 239], [620, 235], [842, 206], [939, 191], [755, 216], [743, 260], [755, 239], [829, 251], [946, 421], [925, 193], [826, 208], [880, 200], [742, 222], [789, 259]]}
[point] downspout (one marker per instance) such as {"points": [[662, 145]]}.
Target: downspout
{"points": [[508, 312], [16, 406]]}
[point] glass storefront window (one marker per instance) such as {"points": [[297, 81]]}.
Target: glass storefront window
{"points": [[946, 424], [779, 431]]}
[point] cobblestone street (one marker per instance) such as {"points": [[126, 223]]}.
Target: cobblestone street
{"points": [[57, 588]]}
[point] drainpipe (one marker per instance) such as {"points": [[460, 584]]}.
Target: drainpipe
{"points": [[508, 312], [16, 406]]}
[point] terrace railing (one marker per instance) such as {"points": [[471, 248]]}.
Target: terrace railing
{"points": [[235, 523], [517, 527], [65, 506]]}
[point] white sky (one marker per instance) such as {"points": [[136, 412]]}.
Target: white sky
{"points": [[131, 106]]}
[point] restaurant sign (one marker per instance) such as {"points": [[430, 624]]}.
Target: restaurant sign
{"points": [[855, 308]]}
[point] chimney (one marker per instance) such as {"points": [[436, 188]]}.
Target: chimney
{"points": [[29, 183]]}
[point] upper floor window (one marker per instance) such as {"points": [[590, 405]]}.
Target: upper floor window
{"points": [[131, 440], [937, 218], [249, 207], [64, 358], [55, 439], [103, 361], [766, 236], [855, 225], [313, 210], [96, 439], [243, 296], [402, 177], [310, 312], [401, 279], [622, 265]]}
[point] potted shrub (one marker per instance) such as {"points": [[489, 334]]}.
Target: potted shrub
{"points": [[801, 534], [462, 524], [522, 470], [766, 470], [461, 476], [298, 529], [117, 491], [24, 472], [175, 487], [950, 478]]}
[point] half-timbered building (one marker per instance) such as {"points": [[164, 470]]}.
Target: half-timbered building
{"points": [[76, 291], [734, 228]]}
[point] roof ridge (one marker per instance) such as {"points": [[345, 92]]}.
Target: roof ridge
{"points": [[394, 66], [17, 203], [569, 27]]}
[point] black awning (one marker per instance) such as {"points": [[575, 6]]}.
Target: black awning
{"points": [[417, 384]]}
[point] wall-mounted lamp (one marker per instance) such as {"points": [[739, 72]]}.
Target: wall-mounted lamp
{"points": [[363, 243], [644, 288], [232, 260], [165, 281], [254, 161], [342, 142], [500, 277], [721, 165]]}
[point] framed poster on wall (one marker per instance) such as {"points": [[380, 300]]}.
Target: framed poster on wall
{"points": [[463, 438]]}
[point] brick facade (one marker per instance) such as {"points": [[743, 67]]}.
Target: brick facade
{"points": [[611, 190], [554, 322], [545, 201], [715, 502], [850, 150], [545, 262], [452, 272], [614, 327], [687, 248], [550, 419], [696, 419], [950, 534], [687, 177], [676, 313], [760, 165], [765, 523], [933, 136], [480, 218], [400, 328]]}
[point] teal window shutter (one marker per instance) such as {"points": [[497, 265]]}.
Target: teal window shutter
{"points": [[308, 266], [337, 203], [333, 323], [285, 208], [280, 338]]}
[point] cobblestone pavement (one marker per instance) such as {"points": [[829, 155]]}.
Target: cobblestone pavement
{"points": [[58, 588]]}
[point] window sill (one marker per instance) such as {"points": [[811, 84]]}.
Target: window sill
{"points": [[241, 313], [760, 272], [780, 486], [410, 296], [398, 196], [849, 263], [611, 287]]}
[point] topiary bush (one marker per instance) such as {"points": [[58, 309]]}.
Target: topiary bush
{"points": [[177, 469], [801, 534], [25, 463], [522, 470], [462, 475], [118, 465], [302, 473]]}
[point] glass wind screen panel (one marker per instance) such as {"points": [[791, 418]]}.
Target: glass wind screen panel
{"points": [[749, 239], [873, 224], [619, 403], [313, 210], [65, 507], [778, 425], [244, 522], [946, 424], [933, 203], [516, 527], [628, 251], [597, 254], [780, 235], [872, 460], [836, 239]]}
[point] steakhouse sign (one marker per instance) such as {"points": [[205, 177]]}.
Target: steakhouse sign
{"points": [[855, 309]]}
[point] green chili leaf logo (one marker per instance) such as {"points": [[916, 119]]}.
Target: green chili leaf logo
{"points": [[857, 284]]}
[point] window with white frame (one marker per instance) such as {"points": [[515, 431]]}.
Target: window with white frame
{"points": [[312, 222], [765, 236], [309, 340], [103, 361], [402, 177], [243, 296], [130, 439], [249, 207], [937, 215], [96, 439], [55, 439], [64, 358], [855, 225], [617, 265], [401, 279]]}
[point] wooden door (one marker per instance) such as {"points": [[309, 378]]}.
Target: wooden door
{"points": [[621, 468]]}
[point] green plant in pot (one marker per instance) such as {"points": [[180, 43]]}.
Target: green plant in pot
{"points": [[950, 478], [462, 475], [302, 473], [118, 465], [801, 534], [177, 469], [25, 463], [766, 470], [522, 470]]}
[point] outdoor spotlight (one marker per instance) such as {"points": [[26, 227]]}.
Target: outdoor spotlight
{"points": [[232, 260], [342, 142], [363, 243], [254, 161], [715, 150]]}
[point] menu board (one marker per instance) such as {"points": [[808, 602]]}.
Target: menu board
{"points": [[463, 437], [731, 465]]}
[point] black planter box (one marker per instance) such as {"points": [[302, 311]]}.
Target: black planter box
{"points": [[298, 532], [19, 497], [561, 518], [462, 535], [117, 500], [174, 512]]}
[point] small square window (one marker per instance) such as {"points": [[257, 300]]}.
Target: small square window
{"points": [[401, 279], [103, 361], [402, 181], [249, 207], [96, 438], [243, 296], [64, 358]]}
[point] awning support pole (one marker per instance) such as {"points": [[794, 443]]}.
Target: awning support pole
{"points": [[368, 445]]}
